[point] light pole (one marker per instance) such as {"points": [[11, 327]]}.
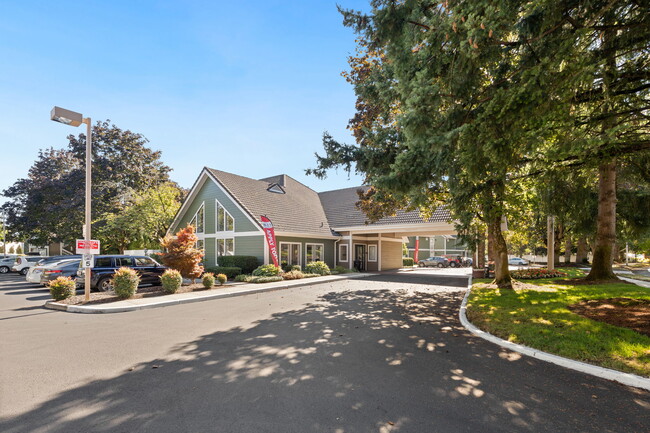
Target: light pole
{"points": [[72, 118]]}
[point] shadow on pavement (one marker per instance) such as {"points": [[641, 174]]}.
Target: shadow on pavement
{"points": [[356, 361]]}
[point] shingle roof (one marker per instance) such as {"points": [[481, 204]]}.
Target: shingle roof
{"points": [[340, 208], [298, 210]]}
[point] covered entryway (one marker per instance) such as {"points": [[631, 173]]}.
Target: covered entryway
{"points": [[360, 257]]}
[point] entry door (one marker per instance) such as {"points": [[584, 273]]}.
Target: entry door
{"points": [[360, 257]]}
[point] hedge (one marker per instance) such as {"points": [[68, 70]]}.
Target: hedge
{"points": [[407, 261], [246, 263], [230, 272]]}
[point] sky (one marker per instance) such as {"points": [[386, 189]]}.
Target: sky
{"points": [[246, 87]]}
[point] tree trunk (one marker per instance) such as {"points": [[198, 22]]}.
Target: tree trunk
{"points": [[568, 246], [490, 245], [559, 236], [601, 268], [502, 276], [480, 253]]}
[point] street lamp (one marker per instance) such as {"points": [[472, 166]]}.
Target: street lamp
{"points": [[72, 118]]}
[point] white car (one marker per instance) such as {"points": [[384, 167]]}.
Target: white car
{"points": [[6, 262], [517, 261], [35, 273], [23, 264]]}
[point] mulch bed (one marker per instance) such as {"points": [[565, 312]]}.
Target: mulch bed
{"points": [[142, 292], [624, 312]]}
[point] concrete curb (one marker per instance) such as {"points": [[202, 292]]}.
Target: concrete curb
{"points": [[147, 303], [603, 373]]}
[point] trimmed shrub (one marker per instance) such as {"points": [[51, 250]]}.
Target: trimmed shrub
{"points": [[125, 282], [266, 279], [342, 270], [293, 275], [536, 273], [62, 288], [208, 280], [243, 278], [171, 280], [267, 271], [408, 261], [222, 279], [230, 272], [319, 268], [305, 275], [246, 263]]}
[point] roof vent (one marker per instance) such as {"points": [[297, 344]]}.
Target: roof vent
{"points": [[276, 188]]}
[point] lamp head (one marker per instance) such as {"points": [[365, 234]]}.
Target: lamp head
{"points": [[66, 117]]}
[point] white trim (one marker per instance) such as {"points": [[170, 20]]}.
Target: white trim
{"points": [[414, 228], [347, 254], [376, 252], [299, 252], [202, 207], [198, 184], [218, 204], [222, 235], [305, 235], [379, 253], [319, 245], [233, 199], [267, 252], [216, 248], [357, 238]]}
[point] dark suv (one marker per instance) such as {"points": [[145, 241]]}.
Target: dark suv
{"points": [[105, 266]]}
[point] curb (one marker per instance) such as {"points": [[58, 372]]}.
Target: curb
{"points": [[279, 285], [601, 372]]}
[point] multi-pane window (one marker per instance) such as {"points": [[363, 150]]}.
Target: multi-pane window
{"points": [[198, 221], [343, 253], [225, 222], [372, 253], [290, 253], [225, 247], [314, 252]]}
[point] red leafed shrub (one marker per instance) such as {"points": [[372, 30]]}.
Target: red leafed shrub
{"points": [[181, 253]]}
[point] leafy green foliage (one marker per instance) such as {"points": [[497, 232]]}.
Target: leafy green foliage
{"points": [[318, 267], [208, 280], [125, 282], [171, 280], [537, 273], [265, 279], [222, 278], [407, 261], [229, 271], [244, 278], [62, 288], [246, 263], [267, 271]]}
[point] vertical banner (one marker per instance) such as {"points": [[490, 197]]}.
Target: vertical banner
{"points": [[269, 233], [417, 249]]}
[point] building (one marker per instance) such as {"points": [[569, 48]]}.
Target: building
{"points": [[226, 208]]}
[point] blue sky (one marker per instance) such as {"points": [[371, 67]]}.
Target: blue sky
{"points": [[246, 87]]}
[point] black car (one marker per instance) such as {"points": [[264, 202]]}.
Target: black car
{"points": [[105, 266]]}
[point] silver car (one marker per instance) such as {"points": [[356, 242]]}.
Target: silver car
{"points": [[6, 262]]}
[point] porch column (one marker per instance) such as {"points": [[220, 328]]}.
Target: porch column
{"points": [[379, 251], [350, 253]]}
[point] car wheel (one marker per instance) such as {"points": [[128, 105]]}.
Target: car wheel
{"points": [[105, 285], [452, 264], [24, 271], [440, 265], [4, 269], [420, 265]]}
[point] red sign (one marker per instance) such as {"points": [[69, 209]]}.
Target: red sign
{"points": [[269, 233], [87, 246], [417, 249]]}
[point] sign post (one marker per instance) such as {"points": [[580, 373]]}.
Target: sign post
{"points": [[87, 247]]}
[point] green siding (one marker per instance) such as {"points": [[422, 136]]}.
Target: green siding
{"points": [[328, 245], [207, 194], [250, 246], [210, 252]]}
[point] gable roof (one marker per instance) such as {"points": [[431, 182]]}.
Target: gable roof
{"points": [[341, 210], [297, 210]]}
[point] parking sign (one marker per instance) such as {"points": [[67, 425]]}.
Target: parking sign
{"points": [[88, 261]]}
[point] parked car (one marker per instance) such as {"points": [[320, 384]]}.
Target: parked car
{"points": [[53, 259], [517, 261], [23, 263], [440, 262], [458, 261], [64, 268], [106, 265], [6, 262]]}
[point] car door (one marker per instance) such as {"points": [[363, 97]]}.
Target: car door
{"points": [[148, 269]]}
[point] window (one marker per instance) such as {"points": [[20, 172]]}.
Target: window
{"points": [[225, 222], [144, 261], [314, 252], [372, 253], [103, 262], [198, 220], [123, 261], [225, 247], [343, 253], [290, 253]]}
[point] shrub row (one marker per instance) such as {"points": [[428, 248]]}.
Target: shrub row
{"points": [[246, 263], [536, 273], [229, 271]]}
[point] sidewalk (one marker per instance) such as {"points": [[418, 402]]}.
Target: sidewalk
{"points": [[229, 290]]}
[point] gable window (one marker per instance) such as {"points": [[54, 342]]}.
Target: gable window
{"points": [[225, 221], [198, 220], [290, 253], [372, 253], [314, 252], [343, 253]]}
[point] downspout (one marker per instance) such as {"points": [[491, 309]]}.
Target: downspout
{"points": [[336, 250]]}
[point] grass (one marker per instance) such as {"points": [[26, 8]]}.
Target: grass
{"points": [[541, 319]]}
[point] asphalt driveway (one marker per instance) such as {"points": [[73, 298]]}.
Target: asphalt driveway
{"points": [[382, 354]]}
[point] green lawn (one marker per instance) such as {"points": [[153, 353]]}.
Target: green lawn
{"points": [[541, 319]]}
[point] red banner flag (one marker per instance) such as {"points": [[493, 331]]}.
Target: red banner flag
{"points": [[417, 249], [269, 233]]}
